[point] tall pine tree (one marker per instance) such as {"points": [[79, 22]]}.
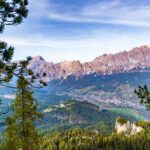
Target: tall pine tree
{"points": [[12, 12], [21, 132]]}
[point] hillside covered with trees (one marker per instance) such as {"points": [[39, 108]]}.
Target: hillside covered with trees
{"points": [[77, 139]]}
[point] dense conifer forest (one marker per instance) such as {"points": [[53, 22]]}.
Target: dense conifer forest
{"points": [[77, 139]]}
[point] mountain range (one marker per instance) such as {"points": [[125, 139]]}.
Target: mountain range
{"points": [[108, 82], [138, 59]]}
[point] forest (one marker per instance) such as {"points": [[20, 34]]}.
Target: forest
{"points": [[77, 139]]}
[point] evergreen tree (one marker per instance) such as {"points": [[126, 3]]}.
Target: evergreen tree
{"points": [[79, 139], [144, 96], [6, 68], [21, 131], [12, 12]]}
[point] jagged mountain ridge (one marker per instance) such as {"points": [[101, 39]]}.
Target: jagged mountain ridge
{"points": [[135, 60]]}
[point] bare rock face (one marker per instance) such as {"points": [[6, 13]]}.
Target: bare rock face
{"points": [[135, 60], [40, 66], [126, 127], [138, 58], [71, 68]]}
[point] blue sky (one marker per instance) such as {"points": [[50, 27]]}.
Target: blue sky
{"points": [[80, 29]]}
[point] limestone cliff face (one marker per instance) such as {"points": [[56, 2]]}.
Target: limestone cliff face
{"points": [[135, 60], [71, 68], [126, 127]]}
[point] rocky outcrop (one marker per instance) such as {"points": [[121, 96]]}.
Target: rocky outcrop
{"points": [[138, 59], [71, 68], [126, 127]]}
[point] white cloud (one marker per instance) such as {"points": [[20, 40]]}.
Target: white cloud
{"points": [[95, 9], [112, 12], [84, 48], [81, 43], [109, 12]]}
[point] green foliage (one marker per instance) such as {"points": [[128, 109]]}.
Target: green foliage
{"points": [[122, 121], [144, 125], [12, 12], [128, 112], [20, 131], [103, 127], [6, 52], [70, 114], [20, 126], [144, 96], [82, 111], [79, 139], [6, 69]]}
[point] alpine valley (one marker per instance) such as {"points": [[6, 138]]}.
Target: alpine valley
{"points": [[91, 94]]}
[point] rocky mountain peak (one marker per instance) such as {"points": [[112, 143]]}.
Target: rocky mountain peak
{"points": [[137, 59], [37, 58]]}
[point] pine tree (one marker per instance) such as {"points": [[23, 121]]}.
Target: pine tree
{"points": [[21, 129], [144, 96], [12, 12], [20, 132], [6, 68]]}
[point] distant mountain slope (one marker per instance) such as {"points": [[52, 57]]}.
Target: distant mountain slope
{"points": [[79, 114], [138, 59], [76, 112], [106, 90]]}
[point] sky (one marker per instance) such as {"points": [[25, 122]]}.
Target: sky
{"points": [[61, 30]]}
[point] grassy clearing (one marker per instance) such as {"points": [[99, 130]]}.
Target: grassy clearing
{"points": [[128, 112]]}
